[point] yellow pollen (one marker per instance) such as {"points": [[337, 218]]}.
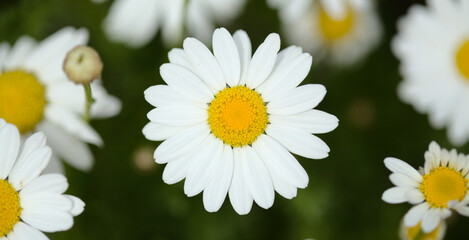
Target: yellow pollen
{"points": [[443, 184], [334, 29], [10, 208], [462, 60], [412, 232], [237, 116], [22, 99]]}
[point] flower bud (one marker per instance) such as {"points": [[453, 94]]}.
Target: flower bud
{"points": [[83, 65]]}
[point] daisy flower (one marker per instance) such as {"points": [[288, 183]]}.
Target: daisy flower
{"points": [[136, 22], [411, 233], [439, 187], [229, 120], [433, 47], [31, 203], [342, 30], [35, 95]]}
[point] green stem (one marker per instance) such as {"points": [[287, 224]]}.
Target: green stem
{"points": [[89, 101], [419, 235]]}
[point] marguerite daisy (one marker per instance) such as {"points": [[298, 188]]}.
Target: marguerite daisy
{"points": [[441, 185], [413, 233], [31, 203], [136, 22], [342, 30], [229, 120], [433, 47], [35, 95]]}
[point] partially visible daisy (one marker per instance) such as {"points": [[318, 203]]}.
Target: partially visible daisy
{"points": [[136, 22], [411, 233], [35, 95], [433, 47], [30, 203], [230, 119], [439, 187], [342, 30]]}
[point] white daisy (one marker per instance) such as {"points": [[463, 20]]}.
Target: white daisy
{"points": [[439, 187], [31, 203], [36, 95], [411, 233], [342, 30], [136, 22], [229, 120], [433, 46]]}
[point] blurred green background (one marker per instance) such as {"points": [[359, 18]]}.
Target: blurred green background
{"points": [[127, 199]]}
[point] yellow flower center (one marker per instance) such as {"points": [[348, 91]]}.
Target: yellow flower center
{"points": [[462, 60], [443, 184], [10, 208], [22, 99], [334, 29], [412, 232], [237, 116]]}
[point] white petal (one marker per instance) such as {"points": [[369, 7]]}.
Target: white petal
{"points": [[415, 214], [25, 232], [181, 143], [402, 180], [240, 197], [67, 146], [178, 56], [163, 95], [312, 121], [414, 196], [178, 115], [9, 146], [186, 83], [430, 221], [226, 52], [4, 49], [205, 64], [399, 166], [159, 132], [297, 100], [244, 50], [27, 170], [205, 162], [263, 61], [176, 170], [77, 205], [46, 219], [463, 210], [298, 141], [19, 52], [73, 123], [257, 178], [48, 183], [50, 201], [286, 76], [216, 190], [31, 144], [395, 195], [280, 161]]}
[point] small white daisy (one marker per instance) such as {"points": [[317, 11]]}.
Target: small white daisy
{"points": [[342, 30], [411, 233], [35, 95], [433, 47], [229, 120], [31, 203], [441, 185], [136, 22]]}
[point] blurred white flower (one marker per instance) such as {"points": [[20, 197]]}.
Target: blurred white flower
{"points": [[136, 22], [36, 95], [343, 31], [441, 186], [31, 203], [433, 47], [230, 119], [410, 233]]}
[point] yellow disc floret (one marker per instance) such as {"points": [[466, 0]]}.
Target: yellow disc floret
{"points": [[462, 60], [10, 208], [443, 184], [22, 99], [237, 116], [334, 29]]}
